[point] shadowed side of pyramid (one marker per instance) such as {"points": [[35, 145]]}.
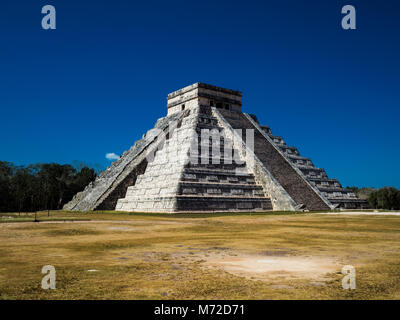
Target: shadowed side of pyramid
{"points": [[329, 188], [307, 185]]}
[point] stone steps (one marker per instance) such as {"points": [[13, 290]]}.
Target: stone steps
{"points": [[212, 140], [206, 178], [201, 182], [297, 157], [218, 171], [294, 184], [288, 149], [325, 179], [216, 150], [315, 176], [217, 175], [198, 203], [332, 189], [112, 183], [219, 188], [214, 163], [310, 176], [220, 203], [351, 203], [207, 126], [309, 168]]}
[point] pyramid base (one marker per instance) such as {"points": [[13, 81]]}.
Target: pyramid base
{"points": [[197, 204]]}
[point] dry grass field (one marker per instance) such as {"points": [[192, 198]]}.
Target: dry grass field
{"points": [[242, 256]]}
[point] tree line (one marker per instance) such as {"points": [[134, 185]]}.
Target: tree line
{"points": [[48, 186], [43, 186], [384, 198]]}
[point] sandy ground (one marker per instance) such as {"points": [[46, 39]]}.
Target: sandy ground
{"points": [[266, 268], [375, 213]]}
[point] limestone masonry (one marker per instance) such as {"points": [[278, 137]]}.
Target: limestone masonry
{"points": [[207, 156]]}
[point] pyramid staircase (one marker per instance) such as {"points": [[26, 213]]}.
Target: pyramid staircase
{"points": [[305, 183], [191, 173], [330, 188]]}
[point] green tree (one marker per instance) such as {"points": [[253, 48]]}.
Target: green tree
{"points": [[40, 186], [372, 200], [385, 198], [6, 173]]}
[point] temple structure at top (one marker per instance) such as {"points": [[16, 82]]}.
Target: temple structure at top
{"points": [[207, 155], [206, 95]]}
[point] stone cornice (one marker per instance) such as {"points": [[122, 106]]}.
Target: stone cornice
{"points": [[208, 96], [205, 86]]}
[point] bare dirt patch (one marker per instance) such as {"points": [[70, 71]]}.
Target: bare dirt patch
{"points": [[262, 267], [364, 213], [122, 228]]}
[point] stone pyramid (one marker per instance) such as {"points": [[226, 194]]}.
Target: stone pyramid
{"points": [[207, 156]]}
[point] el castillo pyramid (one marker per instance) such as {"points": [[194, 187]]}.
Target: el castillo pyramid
{"points": [[207, 155]]}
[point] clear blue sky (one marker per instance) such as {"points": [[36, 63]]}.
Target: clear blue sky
{"points": [[99, 81]]}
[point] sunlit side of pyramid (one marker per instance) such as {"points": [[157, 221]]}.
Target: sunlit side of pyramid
{"points": [[208, 156]]}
